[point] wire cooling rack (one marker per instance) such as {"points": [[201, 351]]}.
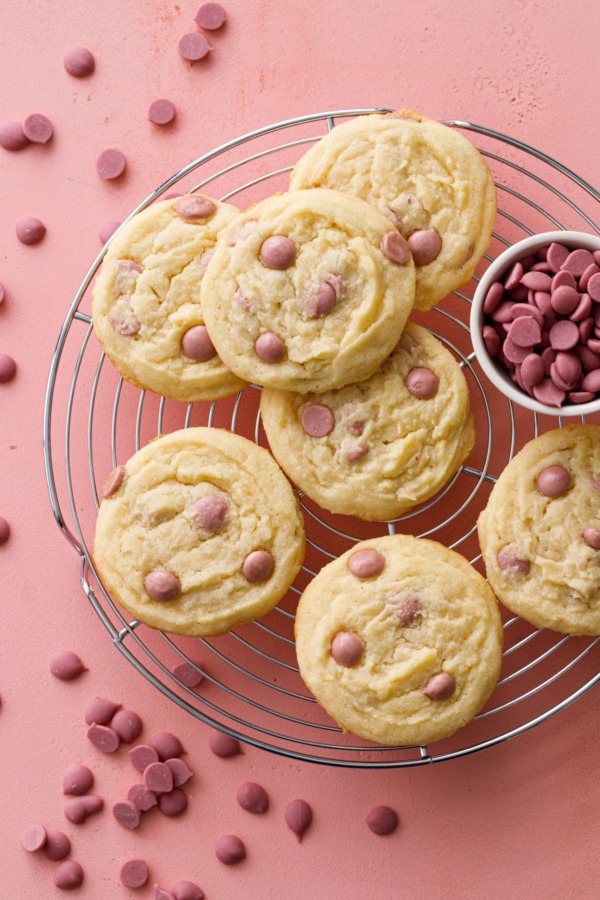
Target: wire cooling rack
{"points": [[251, 688]]}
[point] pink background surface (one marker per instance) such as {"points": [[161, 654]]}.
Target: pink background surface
{"points": [[519, 819]]}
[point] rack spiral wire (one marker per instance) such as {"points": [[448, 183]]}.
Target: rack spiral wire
{"points": [[251, 688]]}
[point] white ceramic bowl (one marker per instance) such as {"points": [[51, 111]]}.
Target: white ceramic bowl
{"points": [[494, 370]]}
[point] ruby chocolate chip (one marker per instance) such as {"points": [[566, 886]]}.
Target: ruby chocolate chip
{"points": [[258, 566], [395, 248], [229, 849], [210, 16], [366, 563], [4, 530], [134, 873], [107, 230], [111, 164], [188, 674], [8, 368], [553, 481], [66, 665], [142, 798], [12, 136], [38, 129], [113, 481], [57, 845], [162, 586], [195, 207], [224, 745], [77, 780], [269, 347], [592, 537], [425, 246], [440, 686], [422, 383], [68, 875], [298, 817], [193, 46], [548, 303], [187, 890], [278, 252], [34, 838], [161, 111], [346, 648], [30, 230], [79, 62], [103, 738], [127, 814], [173, 803], [77, 809], [197, 345], [180, 771], [252, 797], [317, 420], [167, 745], [382, 820], [158, 778], [100, 711], [127, 725]]}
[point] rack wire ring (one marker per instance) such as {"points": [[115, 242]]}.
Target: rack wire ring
{"points": [[251, 688]]}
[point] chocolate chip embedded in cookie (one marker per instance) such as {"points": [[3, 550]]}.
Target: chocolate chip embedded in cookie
{"points": [[187, 537], [540, 531], [426, 177], [400, 640], [308, 291]]}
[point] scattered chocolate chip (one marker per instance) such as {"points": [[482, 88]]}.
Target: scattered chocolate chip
{"points": [[187, 890], [180, 771], [298, 817], [34, 838], [103, 738], [223, 745], [66, 665], [252, 797], [134, 873], [142, 756], [100, 711], [38, 129], [161, 112], [8, 368], [167, 745], [158, 778], [57, 845], [111, 164], [193, 46], [127, 814], [127, 725], [188, 674], [141, 798], [210, 16], [77, 780], [30, 230], [382, 820], [77, 809], [173, 803], [79, 62], [12, 137], [229, 849], [68, 875]]}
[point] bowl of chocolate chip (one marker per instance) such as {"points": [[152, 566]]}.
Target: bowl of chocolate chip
{"points": [[535, 323]]}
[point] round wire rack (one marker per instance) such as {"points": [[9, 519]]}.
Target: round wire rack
{"points": [[251, 688]]}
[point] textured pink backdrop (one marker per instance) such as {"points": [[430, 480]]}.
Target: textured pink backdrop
{"points": [[518, 820]]}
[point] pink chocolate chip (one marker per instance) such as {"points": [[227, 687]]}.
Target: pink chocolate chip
{"points": [[77, 809], [537, 281], [100, 711], [77, 780], [583, 309], [491, 340], [173, 803], [197, 345], [30, 230], [357, 453], [269, 347], [224, 745], [346, 648], [166, 744], [366, 563], [142, 798], [127, 725], [422, 383], [298, 817], [162, 894], [79, 62], [66, 665], [126, 814], [103, 738], [142, 756], [180, 771], [548, 393], [440, 686], [593, 288], [210, 16], [12, 136], [161, 111], [111, 164], [568, 367], [57, 845], [252, 797], [532, 370], [210, 512], [187, 890], [8, 368], [577, 262], [553, 481], [556, 256], [591, 381], [107, 230], [113, 481], [188, 674], [493, 297], [395, 248], [161, 585], [592, 537], [134, 873], [564, 335], [258, 566], [317, 420], [4, 530], [525, 331], [68, 875], [565, 300], [319, 301], [34, 838], [193, 46], [38, 128], [425, 246], [229, 849], [195, 207], [382, 820], [510, 561], [278, 252]]}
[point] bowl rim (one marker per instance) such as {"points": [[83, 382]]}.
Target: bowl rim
{"points": [[496, 268]]}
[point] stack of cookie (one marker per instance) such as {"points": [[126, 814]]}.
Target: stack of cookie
{"points": [[307, 294]]}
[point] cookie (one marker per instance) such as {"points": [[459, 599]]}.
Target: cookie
{"points": [[378, 448], [188, 538], [540, 531], [400, 640], [146, 301], [308, 291], [426, 177]]}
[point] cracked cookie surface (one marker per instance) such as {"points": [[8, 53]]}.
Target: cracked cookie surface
{"points": [[308, 291], [400, 640], [188, 538], [426, 177], [146, 301], [540, 531], [378, 448]]}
